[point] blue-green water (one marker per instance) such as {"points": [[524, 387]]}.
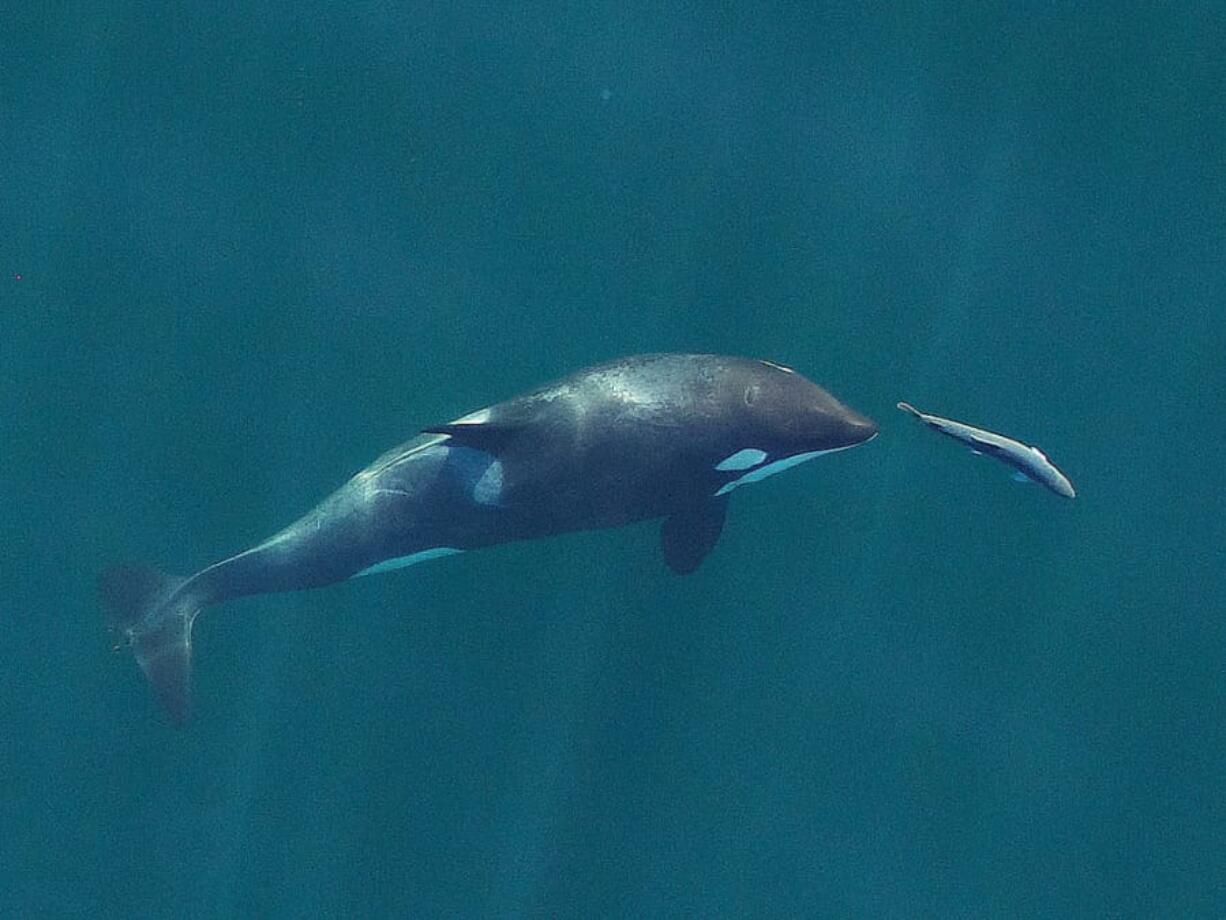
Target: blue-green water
{"points": [[244, 251]]}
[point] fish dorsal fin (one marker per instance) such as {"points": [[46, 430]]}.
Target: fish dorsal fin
{"points": [[687, 536], [491, 437]]}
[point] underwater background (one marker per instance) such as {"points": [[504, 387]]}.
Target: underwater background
{"points": [[245, 248]]}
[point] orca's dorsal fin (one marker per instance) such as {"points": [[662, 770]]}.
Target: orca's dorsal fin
{"points": [[486, 436], [687, 536]]}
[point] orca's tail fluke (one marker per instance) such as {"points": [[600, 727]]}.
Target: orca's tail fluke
{"points": [[154, 614]]}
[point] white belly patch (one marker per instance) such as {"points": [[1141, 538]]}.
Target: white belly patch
{"points": [[387, 565]]}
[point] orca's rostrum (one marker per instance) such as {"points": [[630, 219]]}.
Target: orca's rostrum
{"points": [[654, 436]]}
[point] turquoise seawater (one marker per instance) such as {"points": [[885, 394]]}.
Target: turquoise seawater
{"points": [[245, 248]]}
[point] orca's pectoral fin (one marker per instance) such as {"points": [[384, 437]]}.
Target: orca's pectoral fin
{"points": [[687, 536]]}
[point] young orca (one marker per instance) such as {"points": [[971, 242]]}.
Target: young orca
{"points": [[1029, 463], [652, 436]]}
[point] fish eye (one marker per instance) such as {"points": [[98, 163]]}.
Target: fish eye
{"points": [[778, 367]]}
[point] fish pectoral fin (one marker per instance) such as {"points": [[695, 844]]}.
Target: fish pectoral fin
{"points": [[689, 535], [1019, 476], [983, 448]]}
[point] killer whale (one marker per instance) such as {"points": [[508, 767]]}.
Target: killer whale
{"points": [[650, 436]]}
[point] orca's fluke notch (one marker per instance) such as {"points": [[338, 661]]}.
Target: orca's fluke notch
{"points": [[146, 606]]}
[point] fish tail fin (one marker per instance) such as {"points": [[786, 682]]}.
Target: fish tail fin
{"points": [[907, 407], [153, 613]]}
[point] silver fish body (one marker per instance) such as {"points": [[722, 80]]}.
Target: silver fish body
{"points": [[1029, 461]]}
